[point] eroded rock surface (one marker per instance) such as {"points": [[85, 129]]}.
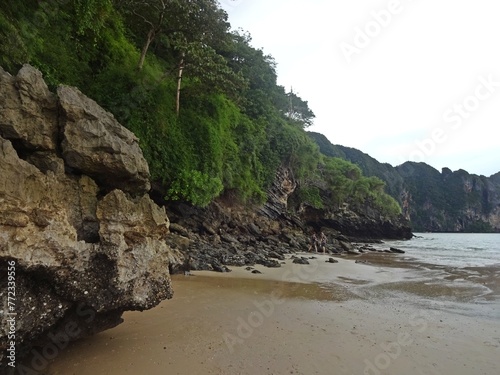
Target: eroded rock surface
{"points": [[95, 143], [87, 242], [28, 110]]}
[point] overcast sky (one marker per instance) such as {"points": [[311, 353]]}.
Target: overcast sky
{"points": [[400, 80]]}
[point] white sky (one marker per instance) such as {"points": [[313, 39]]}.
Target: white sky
{"points": [[426, 59]]}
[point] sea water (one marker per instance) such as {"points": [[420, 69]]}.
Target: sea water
{"points": [[456, 272], [453, 249]]}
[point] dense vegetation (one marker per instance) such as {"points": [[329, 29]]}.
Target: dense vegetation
{"points": [[436, 201], [204, 103]]}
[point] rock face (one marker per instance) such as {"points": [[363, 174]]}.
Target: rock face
{"points": [[95, 144], [359, 225], [86, 242], [28, 110], [277, 196], [224, 234], [446, 201], [449, 201]]}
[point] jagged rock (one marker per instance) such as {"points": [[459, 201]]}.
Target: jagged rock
{"points": [[176, 241], [365, 223], [346, 246], [81, 258], [28, 111], [296, 245], [256, 272], [229, 239], [208, 228], [220, 267], [301, 260], [274, 254], [270, 263], [46, 161], [44, 223], [367, 248], [254, 229], [283, 186], [133, 231], [274, 240], [179, 229], [396, 250], [95, 144]]}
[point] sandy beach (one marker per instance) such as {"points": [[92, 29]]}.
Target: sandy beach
{"points": [[386, 316]]}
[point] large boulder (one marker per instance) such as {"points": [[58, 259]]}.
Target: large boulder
{"points": [[88, 245], [95, 144], [28, 110], [133, 231]]}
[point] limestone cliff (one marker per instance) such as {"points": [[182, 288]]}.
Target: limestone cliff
{"points": [[451, 201], [446, 201], [86, 241]]}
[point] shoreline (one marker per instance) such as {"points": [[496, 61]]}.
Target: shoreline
{"points": [[322, 318]]}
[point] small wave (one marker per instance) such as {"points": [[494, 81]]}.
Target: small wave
{"points": [[453, 249]]}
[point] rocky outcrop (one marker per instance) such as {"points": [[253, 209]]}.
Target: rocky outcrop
{"points": [[358, 225], [95, 144], [451, 201], [226, 234], [446, 201], [28, 110], [86, 242], [283, 186]]}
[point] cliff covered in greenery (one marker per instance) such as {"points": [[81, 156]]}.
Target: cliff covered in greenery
{"points": [[204, 103], [449, 201]]}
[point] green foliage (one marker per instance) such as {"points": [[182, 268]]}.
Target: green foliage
{"points": [[348, 185], [12, 46], [90, 17], [387, 205], [298, 111], [236, 126], [479, 226], [368, 165], [311, 196], [197, 187]]}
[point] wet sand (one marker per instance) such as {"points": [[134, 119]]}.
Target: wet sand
{"points": [[389, 316]]}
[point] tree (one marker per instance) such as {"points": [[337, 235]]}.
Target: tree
{"points": [[298, 110], [192, 32], [261, 93], [152, 14]]}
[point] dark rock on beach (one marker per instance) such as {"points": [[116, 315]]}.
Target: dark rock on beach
{"points": [[396, 250], [301, 260]]}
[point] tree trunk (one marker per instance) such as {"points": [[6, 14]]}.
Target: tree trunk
{"points": [[179, 80], [151, 36]]}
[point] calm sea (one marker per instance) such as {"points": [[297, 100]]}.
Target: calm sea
{"points": [[453, 249]]}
